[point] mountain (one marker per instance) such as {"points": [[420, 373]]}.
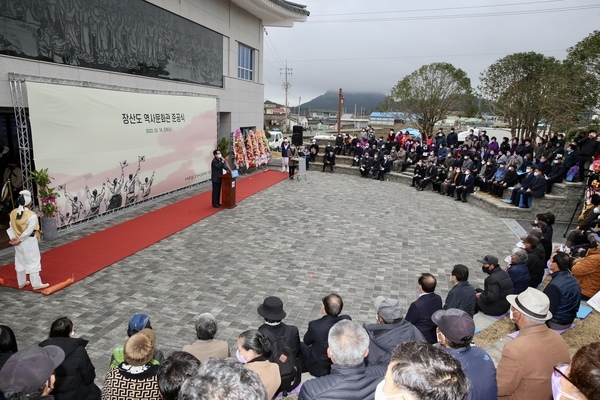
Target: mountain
{"points": [[329, 101]]}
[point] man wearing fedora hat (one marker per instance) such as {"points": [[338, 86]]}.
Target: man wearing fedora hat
{"points": [[277, 331], [526, 366]]}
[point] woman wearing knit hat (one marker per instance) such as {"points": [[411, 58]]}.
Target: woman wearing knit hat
{"points": [[24, 233]]}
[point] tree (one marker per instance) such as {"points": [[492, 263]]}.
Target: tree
{"points": [[387, 104], [587, 54], [530, 88], [517, 87], [428, 94]]}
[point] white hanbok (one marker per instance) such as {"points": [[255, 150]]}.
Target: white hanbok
{"points": [[27, 254]]}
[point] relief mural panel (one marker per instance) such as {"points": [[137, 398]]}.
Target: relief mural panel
{"points": [[130, 36]]}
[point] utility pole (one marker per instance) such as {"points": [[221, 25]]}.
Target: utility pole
{"points": [[286, 86], [340, 102]]}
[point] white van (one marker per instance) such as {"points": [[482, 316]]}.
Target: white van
{"points": [[276, 139]]}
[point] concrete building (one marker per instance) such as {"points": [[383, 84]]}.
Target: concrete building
{"points": [[195, 48]]}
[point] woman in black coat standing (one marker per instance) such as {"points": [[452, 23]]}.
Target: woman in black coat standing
{"points": [[75, 376]]}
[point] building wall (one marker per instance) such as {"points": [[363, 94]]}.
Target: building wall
{"points": [[242, 100]]}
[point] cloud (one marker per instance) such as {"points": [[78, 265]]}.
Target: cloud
{"points": [[369, 46]]}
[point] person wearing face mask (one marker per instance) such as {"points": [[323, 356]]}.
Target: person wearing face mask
{"points": [[217, 166], [536, 190], [447, 184], [527, 180], [465, 187], [581, 379], [525, 368], [563, 292], [522, 169], [252, 346], [557, 173], [571, 156], [488, 170], [285, 157], [491, 300], [419, 370], [293, 162], [75, 375], [455, 331], [467, 163]]}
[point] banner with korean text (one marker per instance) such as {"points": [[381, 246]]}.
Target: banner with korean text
{"points": [[106, 149]]}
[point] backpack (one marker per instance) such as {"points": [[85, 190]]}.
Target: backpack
{"points": [[282, 355]]}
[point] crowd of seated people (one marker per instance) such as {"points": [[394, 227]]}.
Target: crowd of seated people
{"points": [[347, 360], [531, 169]]}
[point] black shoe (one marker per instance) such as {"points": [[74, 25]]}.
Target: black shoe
{"points": [[216, 205], [464, 201], [219, 204], [457, 199]]}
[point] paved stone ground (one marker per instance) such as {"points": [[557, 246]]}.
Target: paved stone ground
{"points": [[298, 240]]}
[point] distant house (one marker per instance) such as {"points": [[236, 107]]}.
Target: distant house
{"points": [[356, 123], [387, 118]]}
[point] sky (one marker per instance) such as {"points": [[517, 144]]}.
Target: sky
{"points": [[368, 46]]}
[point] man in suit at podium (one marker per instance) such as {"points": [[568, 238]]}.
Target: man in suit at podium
{"points": [[217, 166]]}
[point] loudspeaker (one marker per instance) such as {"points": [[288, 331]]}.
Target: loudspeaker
{"points": [[297, 131]]}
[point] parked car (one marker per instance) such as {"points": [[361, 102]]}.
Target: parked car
{"points": [[276, 139]]}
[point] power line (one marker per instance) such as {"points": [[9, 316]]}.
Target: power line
{"points": [[446, 17], [370, 58], [273, 51], [438, 9]]}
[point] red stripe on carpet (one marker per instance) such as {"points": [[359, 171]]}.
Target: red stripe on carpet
{"points": [[94, 252]]}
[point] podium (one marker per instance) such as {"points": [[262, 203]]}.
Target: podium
{"points": [[228, 183]]}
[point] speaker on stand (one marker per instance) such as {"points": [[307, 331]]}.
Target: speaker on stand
{"points": [[297, 131]]}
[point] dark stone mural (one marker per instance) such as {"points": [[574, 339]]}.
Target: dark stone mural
{"points": [[130, 36]]}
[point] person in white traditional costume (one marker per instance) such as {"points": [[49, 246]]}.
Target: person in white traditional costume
{"points": [[25, 236]]}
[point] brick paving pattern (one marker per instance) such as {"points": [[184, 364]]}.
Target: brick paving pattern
{"points": [[298, 240]]}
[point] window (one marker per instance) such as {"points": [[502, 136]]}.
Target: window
{"points": [[245, 62]]}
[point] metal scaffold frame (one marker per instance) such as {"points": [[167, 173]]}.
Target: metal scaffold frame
{"points": [[18, 91]]}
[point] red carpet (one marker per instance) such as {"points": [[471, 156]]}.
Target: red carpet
{"points": [[90, 254]]}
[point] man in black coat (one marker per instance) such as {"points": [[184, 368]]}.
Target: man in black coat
{"points": [[557, 173], [420, 311], [350, 379], [216, 170], [462, 295], [537, 188], [452, 138], [466, 186], [314, 349], [491, 300]]}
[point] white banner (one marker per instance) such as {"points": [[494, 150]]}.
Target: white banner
{"points": [[106, 149]]}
